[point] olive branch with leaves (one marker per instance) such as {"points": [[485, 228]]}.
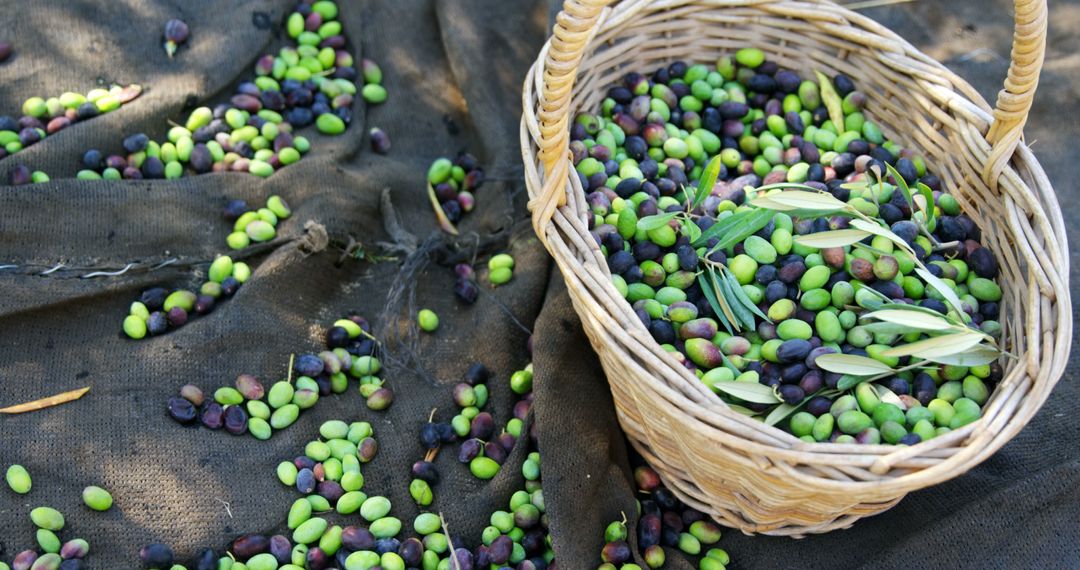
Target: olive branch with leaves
{"points": [[950, 339]]}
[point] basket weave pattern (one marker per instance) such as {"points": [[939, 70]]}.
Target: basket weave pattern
{"points": [[745, 474]]}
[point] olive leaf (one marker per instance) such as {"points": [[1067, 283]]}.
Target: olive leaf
{"points": [[890, 328], [887, 396], [780, 412], [729, 364], [928, 207], [901, 185], [656, 221], [802, 199], [834, 238], [746, 228], [727, 292], [783, 411], [744, 300], [848, 381], [724, 225], [691, 230], [722, 298], [851, 364], [855, 185], [942, 288], [742, 410], [937, 346], [976, 356], [914, 319], [913, 309], [832, 100], [883, 232], [860, 286], [707, 181], [707, 288], [747, 391], [786, 186]]}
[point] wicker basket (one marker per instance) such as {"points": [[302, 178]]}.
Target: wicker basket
{"points": [[743, 473]]}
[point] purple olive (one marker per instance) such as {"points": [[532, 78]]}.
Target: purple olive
{"points": [[280, 548], [249, 545], [177, 317], [308, 365], [469, 450], [466, 291], [317, 559], [495, 452], [305, 481], [357, 538], [212, 415], [425, 471], [156, 555], [176, 33], [482, 427], [24, 560], [380, 141], [236, 420], [411, 552], [181, 410], [616, 553], [330, 490], [500, 549], [649, 530], [19, 175], [367, 449], [204, 304]]}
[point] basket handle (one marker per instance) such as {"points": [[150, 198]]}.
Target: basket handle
{"points": [[574, 27], [573, 30], [1014, 100]]}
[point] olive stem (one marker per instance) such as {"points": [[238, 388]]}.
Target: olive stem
{"points": [[228, 510], [869, 248], [919, 364], [292, 359], [450, 543], [930, 236], [947, 245], [370, 336]]}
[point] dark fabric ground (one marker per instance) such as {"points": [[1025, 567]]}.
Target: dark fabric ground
{"points": [[454, 71]]}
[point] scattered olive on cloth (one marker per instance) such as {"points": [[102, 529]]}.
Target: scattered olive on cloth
{"points": [[452, 186], [249, 407], [158, 310], [313, 81], [663, 521], [329, 477], [256, 226], [44, 117], [176, 34]]}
